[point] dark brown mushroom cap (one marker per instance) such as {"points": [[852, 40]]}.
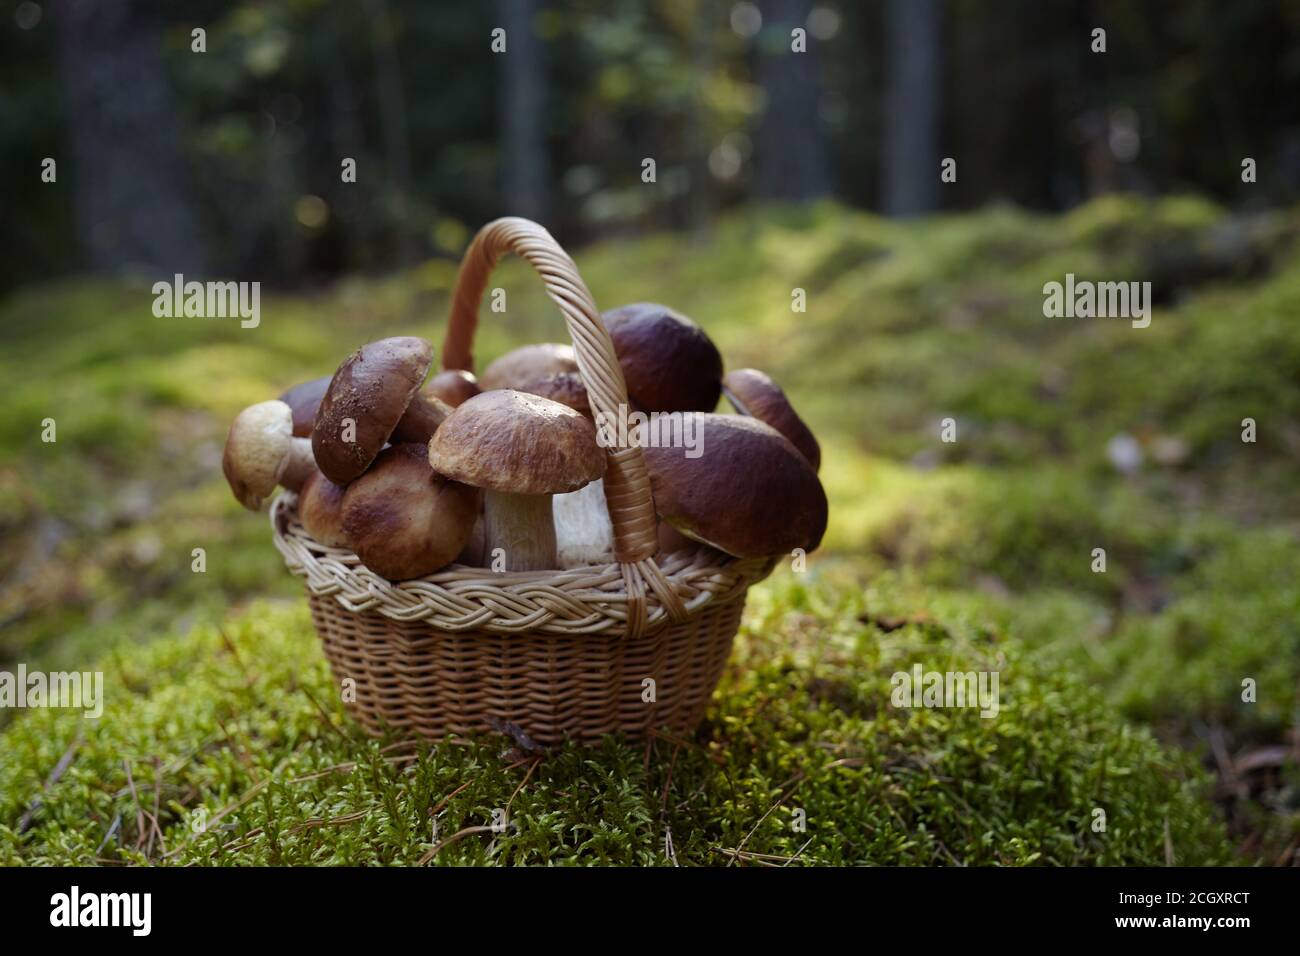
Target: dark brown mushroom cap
{"points": [[563, 387], [403, 520], [527, 364], [517, 443], [669, 363], [753, 393], [453, 386], [320, 509], [305, 399], [421, 419], [373, 387], [748, 493]]}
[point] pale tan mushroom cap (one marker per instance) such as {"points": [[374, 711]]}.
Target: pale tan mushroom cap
{"points": [[257, 446], [517, 443], [563, 387], [527, 364]]}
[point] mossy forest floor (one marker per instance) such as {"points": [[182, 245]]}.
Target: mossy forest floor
{"points": [[223, 738]]}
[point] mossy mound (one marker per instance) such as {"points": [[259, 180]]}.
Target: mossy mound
{"points": [[906, 323], [233, 740]]}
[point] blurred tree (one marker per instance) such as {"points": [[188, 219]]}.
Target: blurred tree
{"points": [[132, 205], [523, 99], [790, 161], [234, 154], [911, 137], [392, 122]]}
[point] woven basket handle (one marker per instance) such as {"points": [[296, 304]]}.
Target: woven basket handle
{"points": [[627, 483]]}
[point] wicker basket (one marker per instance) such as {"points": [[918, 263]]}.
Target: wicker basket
{"points": [[556, 653]]}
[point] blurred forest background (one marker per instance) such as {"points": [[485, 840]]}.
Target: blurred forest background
{"points": [[229, 161], [774, 171]]}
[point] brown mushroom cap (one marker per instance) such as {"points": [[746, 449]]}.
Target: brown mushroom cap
{"points": [[298, 464], [403, 520], [453, 386], [517, 443], [753, 393], [669, 363], [305, 399], [257, 447], [421, 419], [749, 493], [563, 387], [373, 388], [528, 364], [320, 509], [671, 540]]}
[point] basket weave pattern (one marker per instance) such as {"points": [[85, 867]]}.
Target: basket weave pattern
{"points": [[556, 653]]}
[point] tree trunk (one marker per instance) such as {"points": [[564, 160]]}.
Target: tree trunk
{"points": [[132, 206], [392, 124], [911, 142], [522, 105], [790, 153], [700, 208]]}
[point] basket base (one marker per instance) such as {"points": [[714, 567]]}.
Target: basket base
{"points": [[415, 680]]}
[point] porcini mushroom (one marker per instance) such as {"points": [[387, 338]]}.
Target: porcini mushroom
{"points": [[403, 520], [520, 449], [373, 397], [563, 387], [305, 399], [671, 540], [583, 532], [669, 364], [472, 554], [320, 509], [528, 364], [262, 452], [753, 393], [749, 492], [453, 386]]}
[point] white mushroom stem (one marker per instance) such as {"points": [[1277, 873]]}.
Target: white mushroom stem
{"points": [[297, 465], [522, 527], [583, 532]]}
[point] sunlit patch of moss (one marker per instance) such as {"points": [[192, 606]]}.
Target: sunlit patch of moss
{"points": [[1235, 617]]}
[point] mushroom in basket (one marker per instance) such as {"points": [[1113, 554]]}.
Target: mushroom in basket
{"points": [[528, 363], [520, 449], [454, 386], [753, 393], [373, 398], [403, 520], [320, 509], [750, 493], [262, 452], [668, 361], [305, 399]]}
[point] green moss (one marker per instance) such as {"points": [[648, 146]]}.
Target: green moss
{"points": [[1235, 618], [905, 324], [228, 720]]}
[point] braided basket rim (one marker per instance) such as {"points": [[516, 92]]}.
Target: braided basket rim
{"points": [[459, 598]]}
